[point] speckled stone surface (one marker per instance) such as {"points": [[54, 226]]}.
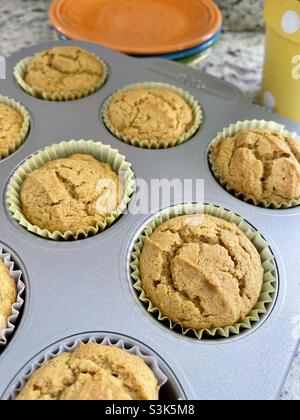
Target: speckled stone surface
{"points": [[23, 23], [242, 15], [237, 58]]}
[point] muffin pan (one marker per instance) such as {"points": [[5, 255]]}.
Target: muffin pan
{"points": [[76, 287]]}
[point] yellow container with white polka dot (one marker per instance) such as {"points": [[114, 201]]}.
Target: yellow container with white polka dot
{"points": [[281, 79]]}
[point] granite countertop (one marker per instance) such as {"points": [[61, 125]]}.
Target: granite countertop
{"points": [[237, 58]]}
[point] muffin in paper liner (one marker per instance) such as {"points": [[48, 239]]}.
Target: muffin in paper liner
{"points": [[99, 151], [16, 307], [151, 361], [19, 73], [191, 101], [231, 131], [24, 129], [270, 280]]}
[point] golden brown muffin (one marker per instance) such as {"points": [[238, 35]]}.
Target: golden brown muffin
{"points": [[70, 194], [8, 295], [92, 372], [65, 70], [152, 116], [201, 272], [11, 123], [260, 164]]}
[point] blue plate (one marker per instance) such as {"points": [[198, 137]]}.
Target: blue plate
{"points": [[191, 51], [179, 54], [61, 36]]}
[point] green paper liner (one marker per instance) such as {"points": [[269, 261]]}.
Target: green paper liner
{"points": [[191, 101], [231, 131], [270, 280], [21, 68], [100, 152], [11, 148]]}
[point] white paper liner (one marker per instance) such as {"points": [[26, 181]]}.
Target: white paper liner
{"points": [[16, 307], [151, 361]]}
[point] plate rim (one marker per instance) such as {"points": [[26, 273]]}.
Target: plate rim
{"points": [[139, 51]]}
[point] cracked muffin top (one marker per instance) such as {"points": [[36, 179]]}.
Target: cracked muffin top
{"points": [[8, 295], [11, 123], [64, 70], [201, 272], [70, 194], [150, 115], [92, 372], [260, 164]]}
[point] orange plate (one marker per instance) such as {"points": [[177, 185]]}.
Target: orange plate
{"points": [[141, 27]]}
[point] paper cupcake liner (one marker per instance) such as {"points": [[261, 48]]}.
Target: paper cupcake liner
{"points": [[11, 148], [151, 361], [270, 280], [100, 152], [20, 71], [16, 307], [191, 101], [231, 131]]}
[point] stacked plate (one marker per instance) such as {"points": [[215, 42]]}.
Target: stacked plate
{"points": [[173, 29]]}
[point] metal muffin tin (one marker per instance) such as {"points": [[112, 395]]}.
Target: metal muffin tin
{"points": [[73, 288]]}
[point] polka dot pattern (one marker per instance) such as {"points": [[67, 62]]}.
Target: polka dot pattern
{"points": [[290, 22]]}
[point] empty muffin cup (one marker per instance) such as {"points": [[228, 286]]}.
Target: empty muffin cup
{"points": [[97, 205], [258, 162], [16, 122], [152, 115], [13, 291], [76, 72], [214, 244]]}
